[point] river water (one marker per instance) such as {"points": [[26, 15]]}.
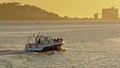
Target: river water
{"points": [[89, 44]]}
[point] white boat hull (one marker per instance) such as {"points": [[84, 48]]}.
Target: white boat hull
{"points": [[43, 47]]}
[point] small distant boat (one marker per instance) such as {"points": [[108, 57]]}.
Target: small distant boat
{"points": [[42, 43]]}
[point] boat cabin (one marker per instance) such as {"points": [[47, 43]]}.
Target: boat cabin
{"points": [[40, 39]]}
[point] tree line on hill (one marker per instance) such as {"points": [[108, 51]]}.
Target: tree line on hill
{"points": [[18, 11]]}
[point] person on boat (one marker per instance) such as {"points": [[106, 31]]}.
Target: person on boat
{"points": [[57, 39], [38, 34], [61, 39], [39, 41], [54, 40]]}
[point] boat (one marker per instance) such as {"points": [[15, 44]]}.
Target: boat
{"points": [[42, 43]]}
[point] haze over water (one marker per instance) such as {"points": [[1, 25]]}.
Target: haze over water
{"points": [[89, 44]]}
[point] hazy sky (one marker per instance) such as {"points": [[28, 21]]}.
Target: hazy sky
{"points": [[72, 8]]}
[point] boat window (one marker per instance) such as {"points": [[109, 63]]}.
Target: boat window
{"points": [[31, 40]]}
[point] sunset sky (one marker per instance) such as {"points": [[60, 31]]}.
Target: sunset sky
{"points": [[72, 8]]}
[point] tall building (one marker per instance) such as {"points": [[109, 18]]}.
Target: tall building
{"points": [[110, 14], [96, 16]]}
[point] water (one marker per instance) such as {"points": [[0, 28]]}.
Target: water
{"points": [[91, 44]]}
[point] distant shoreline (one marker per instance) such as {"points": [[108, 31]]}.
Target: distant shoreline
{"points": [[61, 21]]}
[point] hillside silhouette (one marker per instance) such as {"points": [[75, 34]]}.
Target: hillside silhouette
{"points": [[18, 11]]}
